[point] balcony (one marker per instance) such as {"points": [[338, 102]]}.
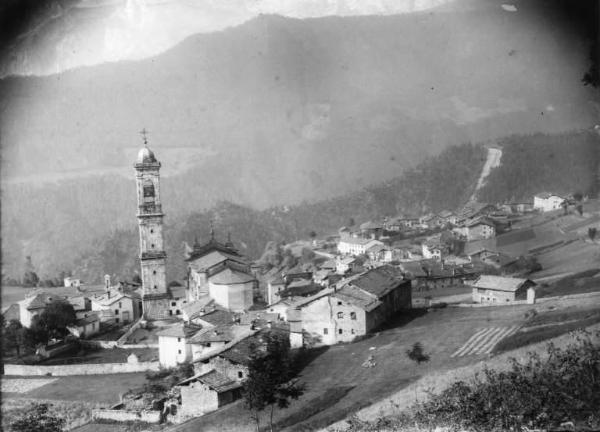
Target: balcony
{"points": [[150, 209], [153, 255]]}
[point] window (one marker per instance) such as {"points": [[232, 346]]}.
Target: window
{"points": [[207, 344], [116, 311], [177, 312], [120, 305], [117, 320], [152, 245], [178, 339], [173, 303], [325, 331], [339, 303], [240, 374], [352, 331], [151, 231], [178, 351], [353, 315], [153, 272], [340, 315], [340, 331], [155, 287]]}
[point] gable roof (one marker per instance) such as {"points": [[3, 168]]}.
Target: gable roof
{"points": [[220, 333], [180, 330], [241, 351], [357, 297], [211, 258], [40, 300], [359, 241], [546, 195], [109, 298], [213, 379], [500, 283], [218, 317], [199, 306], [378, 281]]}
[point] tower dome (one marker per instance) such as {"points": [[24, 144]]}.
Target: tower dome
{"points": [[145, 155]]}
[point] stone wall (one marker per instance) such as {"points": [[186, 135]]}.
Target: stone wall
{"points": [[80, 369], [126, 415]]}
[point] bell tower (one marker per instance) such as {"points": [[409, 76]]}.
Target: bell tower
{"points": [[153, 258]]}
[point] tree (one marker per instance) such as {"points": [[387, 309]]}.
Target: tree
{"points": [[38, 419], [270, 377], [416, 354], [30, 278], [56, 317], [12, 336]]}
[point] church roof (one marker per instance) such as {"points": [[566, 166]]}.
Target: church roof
{"points": [[229, 276], [212, 245], [212, 258], [146, 155]]}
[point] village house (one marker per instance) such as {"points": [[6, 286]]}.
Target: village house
{"points": [[371, 229], [447, 217], [72, 282], [361, 304], [433, 249], [477, 229], [173, 348], [348, 265], [500, 289], [206, 392], [34, 305], [546, 201], [474, 210], [355, 245], [211, 339], [85, 327], [115, 306]]}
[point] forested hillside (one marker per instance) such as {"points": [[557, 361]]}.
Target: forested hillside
{"points": [[563, 163], [95, 231]]}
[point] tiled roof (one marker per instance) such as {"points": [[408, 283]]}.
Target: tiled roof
{"points": [[198, 306], [278, 280], [500, 283], [413, 269], [218, 317], [220, 333], [40, 300], [379, 281], [213, 379], [546, 195], [229, 277], [357, 297], [370, 225], [177, 292], [212, 258], [240, 352], [251, 316], [109, 298], [300, 289], [179, 330], [92, 318], [359, 241]]}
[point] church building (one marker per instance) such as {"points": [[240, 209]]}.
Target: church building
{"points": [[218, 271]]}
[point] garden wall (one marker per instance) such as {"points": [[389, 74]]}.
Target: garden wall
{"points": [[126, 415], [80, 369]]}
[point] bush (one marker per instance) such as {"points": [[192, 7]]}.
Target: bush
{"points": [[535, 393]]}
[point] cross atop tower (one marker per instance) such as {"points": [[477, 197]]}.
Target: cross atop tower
{"points": [[144, 134]]}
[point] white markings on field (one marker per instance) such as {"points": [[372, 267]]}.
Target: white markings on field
{"points": [[19, 385], [484, 340]]}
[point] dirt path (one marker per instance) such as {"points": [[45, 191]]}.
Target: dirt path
{"points": [[493, 160]]}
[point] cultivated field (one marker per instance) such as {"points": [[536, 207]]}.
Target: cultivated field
{"points": [[338, 383]]}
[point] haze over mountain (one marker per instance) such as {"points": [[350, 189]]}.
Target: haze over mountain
{"points": [[69, 33], [279, 110]]}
